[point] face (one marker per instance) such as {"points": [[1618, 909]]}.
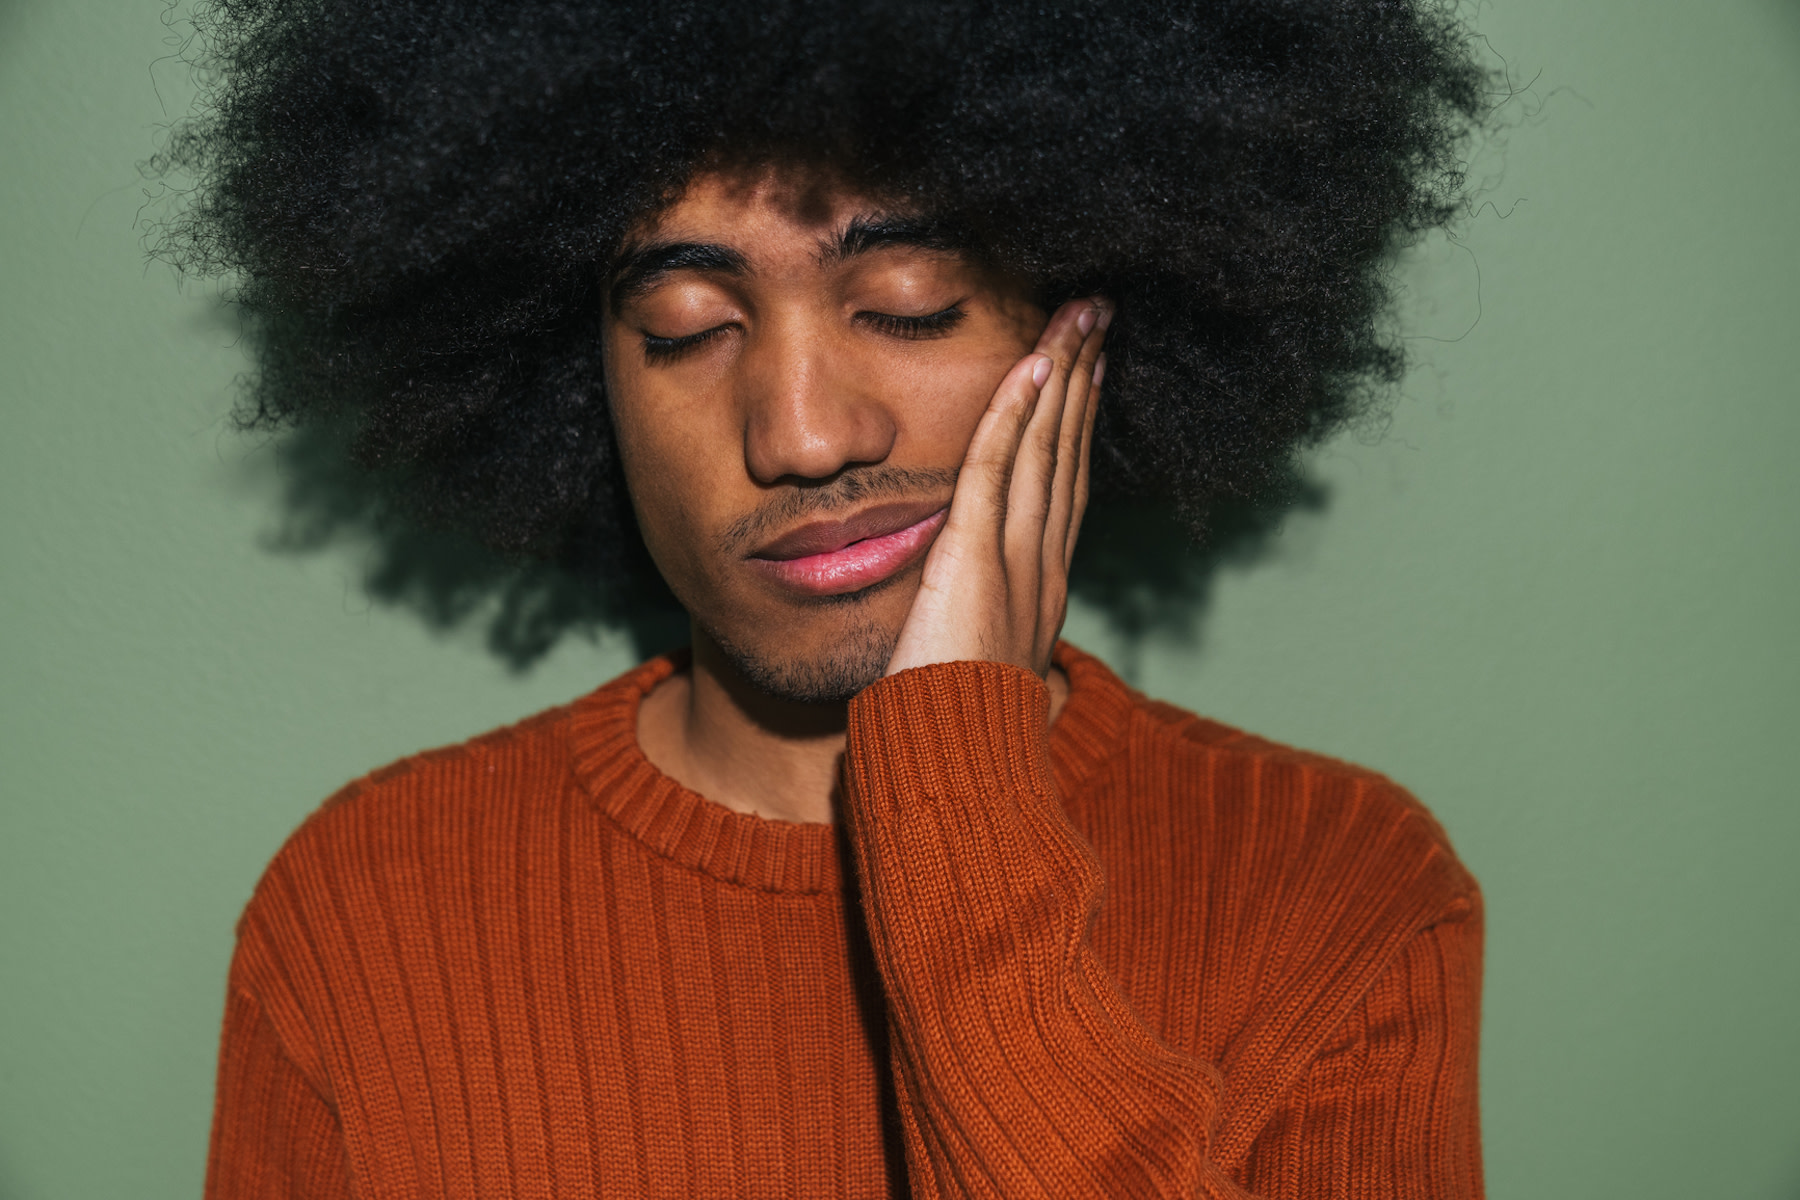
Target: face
{"points": [[795, 372]]}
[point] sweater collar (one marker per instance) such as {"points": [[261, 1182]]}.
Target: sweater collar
{"points": [[786, 856]]}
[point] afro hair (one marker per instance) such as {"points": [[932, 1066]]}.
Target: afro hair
{"points": [[416, 204]]}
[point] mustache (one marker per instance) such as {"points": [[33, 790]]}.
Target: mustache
{"points": [[847, 490]]}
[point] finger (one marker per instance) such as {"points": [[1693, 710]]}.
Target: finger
{"points": [[983, 482], [1078, 402], [1063, 504], [1034, 473], [1084, 456]]}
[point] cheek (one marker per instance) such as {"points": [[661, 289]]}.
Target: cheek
{"points": [[953, 390], [947, 398], [662, 451]]}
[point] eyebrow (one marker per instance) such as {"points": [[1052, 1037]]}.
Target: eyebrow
{"points": [[866, 233], [641, 268]]}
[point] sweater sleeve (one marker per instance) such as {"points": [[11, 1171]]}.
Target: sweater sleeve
{"points": [[1020, 1070], [274, 1137], [1388, 1108]]}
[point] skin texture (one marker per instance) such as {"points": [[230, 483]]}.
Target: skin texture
{"points": [[779, 393]]}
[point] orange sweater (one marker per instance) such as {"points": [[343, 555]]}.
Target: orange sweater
{"points": [[532, 965]]}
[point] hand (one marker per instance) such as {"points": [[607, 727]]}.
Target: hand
{"points": [[996, 583]]}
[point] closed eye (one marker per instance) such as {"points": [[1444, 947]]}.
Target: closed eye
{"points": [[914, 328], [667, 349], [658, 350]]}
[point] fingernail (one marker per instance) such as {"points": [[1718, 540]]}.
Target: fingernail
{"points": [[1085, 322], [1040, 372], [1106, 316], [1099, 370]]}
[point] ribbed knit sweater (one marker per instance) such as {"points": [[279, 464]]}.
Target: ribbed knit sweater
{"points": [[1133, 954]]}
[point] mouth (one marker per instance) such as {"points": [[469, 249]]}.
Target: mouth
{"points": [[833, 558]]}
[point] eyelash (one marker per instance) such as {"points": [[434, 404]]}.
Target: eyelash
{"points": [[915, 328], [664, 350]]}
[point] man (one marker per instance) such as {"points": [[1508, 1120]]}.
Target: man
{"points": [[817, 907]]}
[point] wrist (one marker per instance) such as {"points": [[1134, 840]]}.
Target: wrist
{"points": [[951, 729]]}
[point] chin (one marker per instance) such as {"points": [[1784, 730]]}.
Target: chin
{"points": [[826, 656]]}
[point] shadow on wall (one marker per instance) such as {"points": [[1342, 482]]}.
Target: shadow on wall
{"points": [[1135, 565], [448, 580]]}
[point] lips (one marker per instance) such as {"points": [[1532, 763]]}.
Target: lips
{"points": [[832, 558]]}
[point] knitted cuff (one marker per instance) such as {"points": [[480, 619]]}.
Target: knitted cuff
{"points": [[948, 730]]}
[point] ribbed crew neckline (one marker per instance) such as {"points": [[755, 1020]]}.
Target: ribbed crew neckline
{"points": [[783, 856]]}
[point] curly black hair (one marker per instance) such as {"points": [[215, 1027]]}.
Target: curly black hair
{"points": [[417, 202]]}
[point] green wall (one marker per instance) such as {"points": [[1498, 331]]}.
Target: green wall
{"points": [[1555, 598]]}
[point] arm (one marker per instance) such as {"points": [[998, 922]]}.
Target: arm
{"points": [[1388, 1108], [1019, 1068], [1020, 1071], [274, 1137]]}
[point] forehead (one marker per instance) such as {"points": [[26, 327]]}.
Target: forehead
{"points": [[776, 201]]}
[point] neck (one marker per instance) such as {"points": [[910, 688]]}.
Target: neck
{"points": [[712, 732], [715, 734]]}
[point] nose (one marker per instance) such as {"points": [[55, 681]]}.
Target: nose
{"points": [[808, 413]]}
